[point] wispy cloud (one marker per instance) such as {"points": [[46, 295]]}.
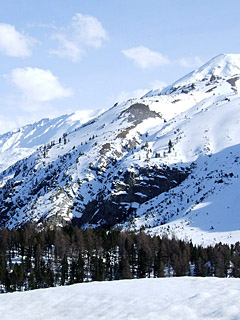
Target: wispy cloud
{"points": [[125, 95], [37, 85], [13, 43], [7, 124], [137, 93], [67, 48], [157, 84], [84, 31], [190, 62], [146, 58]]}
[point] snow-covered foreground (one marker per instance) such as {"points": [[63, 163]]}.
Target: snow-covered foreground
{"points": [[168, 298]]}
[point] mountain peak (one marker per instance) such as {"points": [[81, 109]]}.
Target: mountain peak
{"points": [[220, 67], [223, 65]]}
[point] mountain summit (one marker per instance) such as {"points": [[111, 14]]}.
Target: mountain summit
{"points": [[167, 163], [223, 66]]}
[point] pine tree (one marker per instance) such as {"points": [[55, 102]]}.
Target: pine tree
{"points": [[170, 146], [64, 270], [3, 269], [158, 265], [31, 281], [124, 268], [80, 274]]}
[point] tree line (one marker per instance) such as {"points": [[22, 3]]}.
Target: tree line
{"points": [[31, 259]]}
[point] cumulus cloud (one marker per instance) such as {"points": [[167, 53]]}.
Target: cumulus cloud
{"points": [[190, 62], [84, 31], [38, 85], [146, 58], [14, 43], [88, 30]]}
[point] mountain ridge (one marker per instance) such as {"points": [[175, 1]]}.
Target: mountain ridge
{"points": [[22, 142]]}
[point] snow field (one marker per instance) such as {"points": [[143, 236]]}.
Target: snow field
{"points": [[164, 299]]}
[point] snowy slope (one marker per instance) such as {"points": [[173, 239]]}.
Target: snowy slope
{"points": [[163, 299], [168, 162], [20, 143], [209, 198]]}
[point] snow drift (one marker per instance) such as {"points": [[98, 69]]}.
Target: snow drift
{"points": [[163, 299]]}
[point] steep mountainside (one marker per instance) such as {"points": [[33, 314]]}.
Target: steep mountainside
{"points": [[21, 143], [168, 162]]}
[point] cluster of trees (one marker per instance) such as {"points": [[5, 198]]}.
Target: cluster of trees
{"points": [[30, 259]]}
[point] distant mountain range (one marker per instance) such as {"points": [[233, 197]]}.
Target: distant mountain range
{"points": [[168, 163]]}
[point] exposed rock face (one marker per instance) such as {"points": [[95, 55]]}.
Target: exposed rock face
{"points": [[49, 188], [138, 112], [134, 188]]}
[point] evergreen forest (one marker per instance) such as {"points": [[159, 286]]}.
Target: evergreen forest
{"points": [[31, 259]]}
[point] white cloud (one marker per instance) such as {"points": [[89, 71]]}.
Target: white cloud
{"points": [[38, 85], [68, 48], [6, 124], [125, 95], [88, 30], [137, 93], [85, 115], [14, 43], [84, 31], [158, 84], [190, 62], [146, 58]]}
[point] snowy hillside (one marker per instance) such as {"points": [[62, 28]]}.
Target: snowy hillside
{"points": [[168, 163], [21, 143], [164, 299]]}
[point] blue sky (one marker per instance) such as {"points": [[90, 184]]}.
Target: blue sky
{"points": [[58, 56]]}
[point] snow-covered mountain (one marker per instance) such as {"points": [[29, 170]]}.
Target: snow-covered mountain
{"points": [[168, 162], [21, 143]]}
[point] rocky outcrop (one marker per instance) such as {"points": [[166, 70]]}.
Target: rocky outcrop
{"points": [[134, 187]]}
